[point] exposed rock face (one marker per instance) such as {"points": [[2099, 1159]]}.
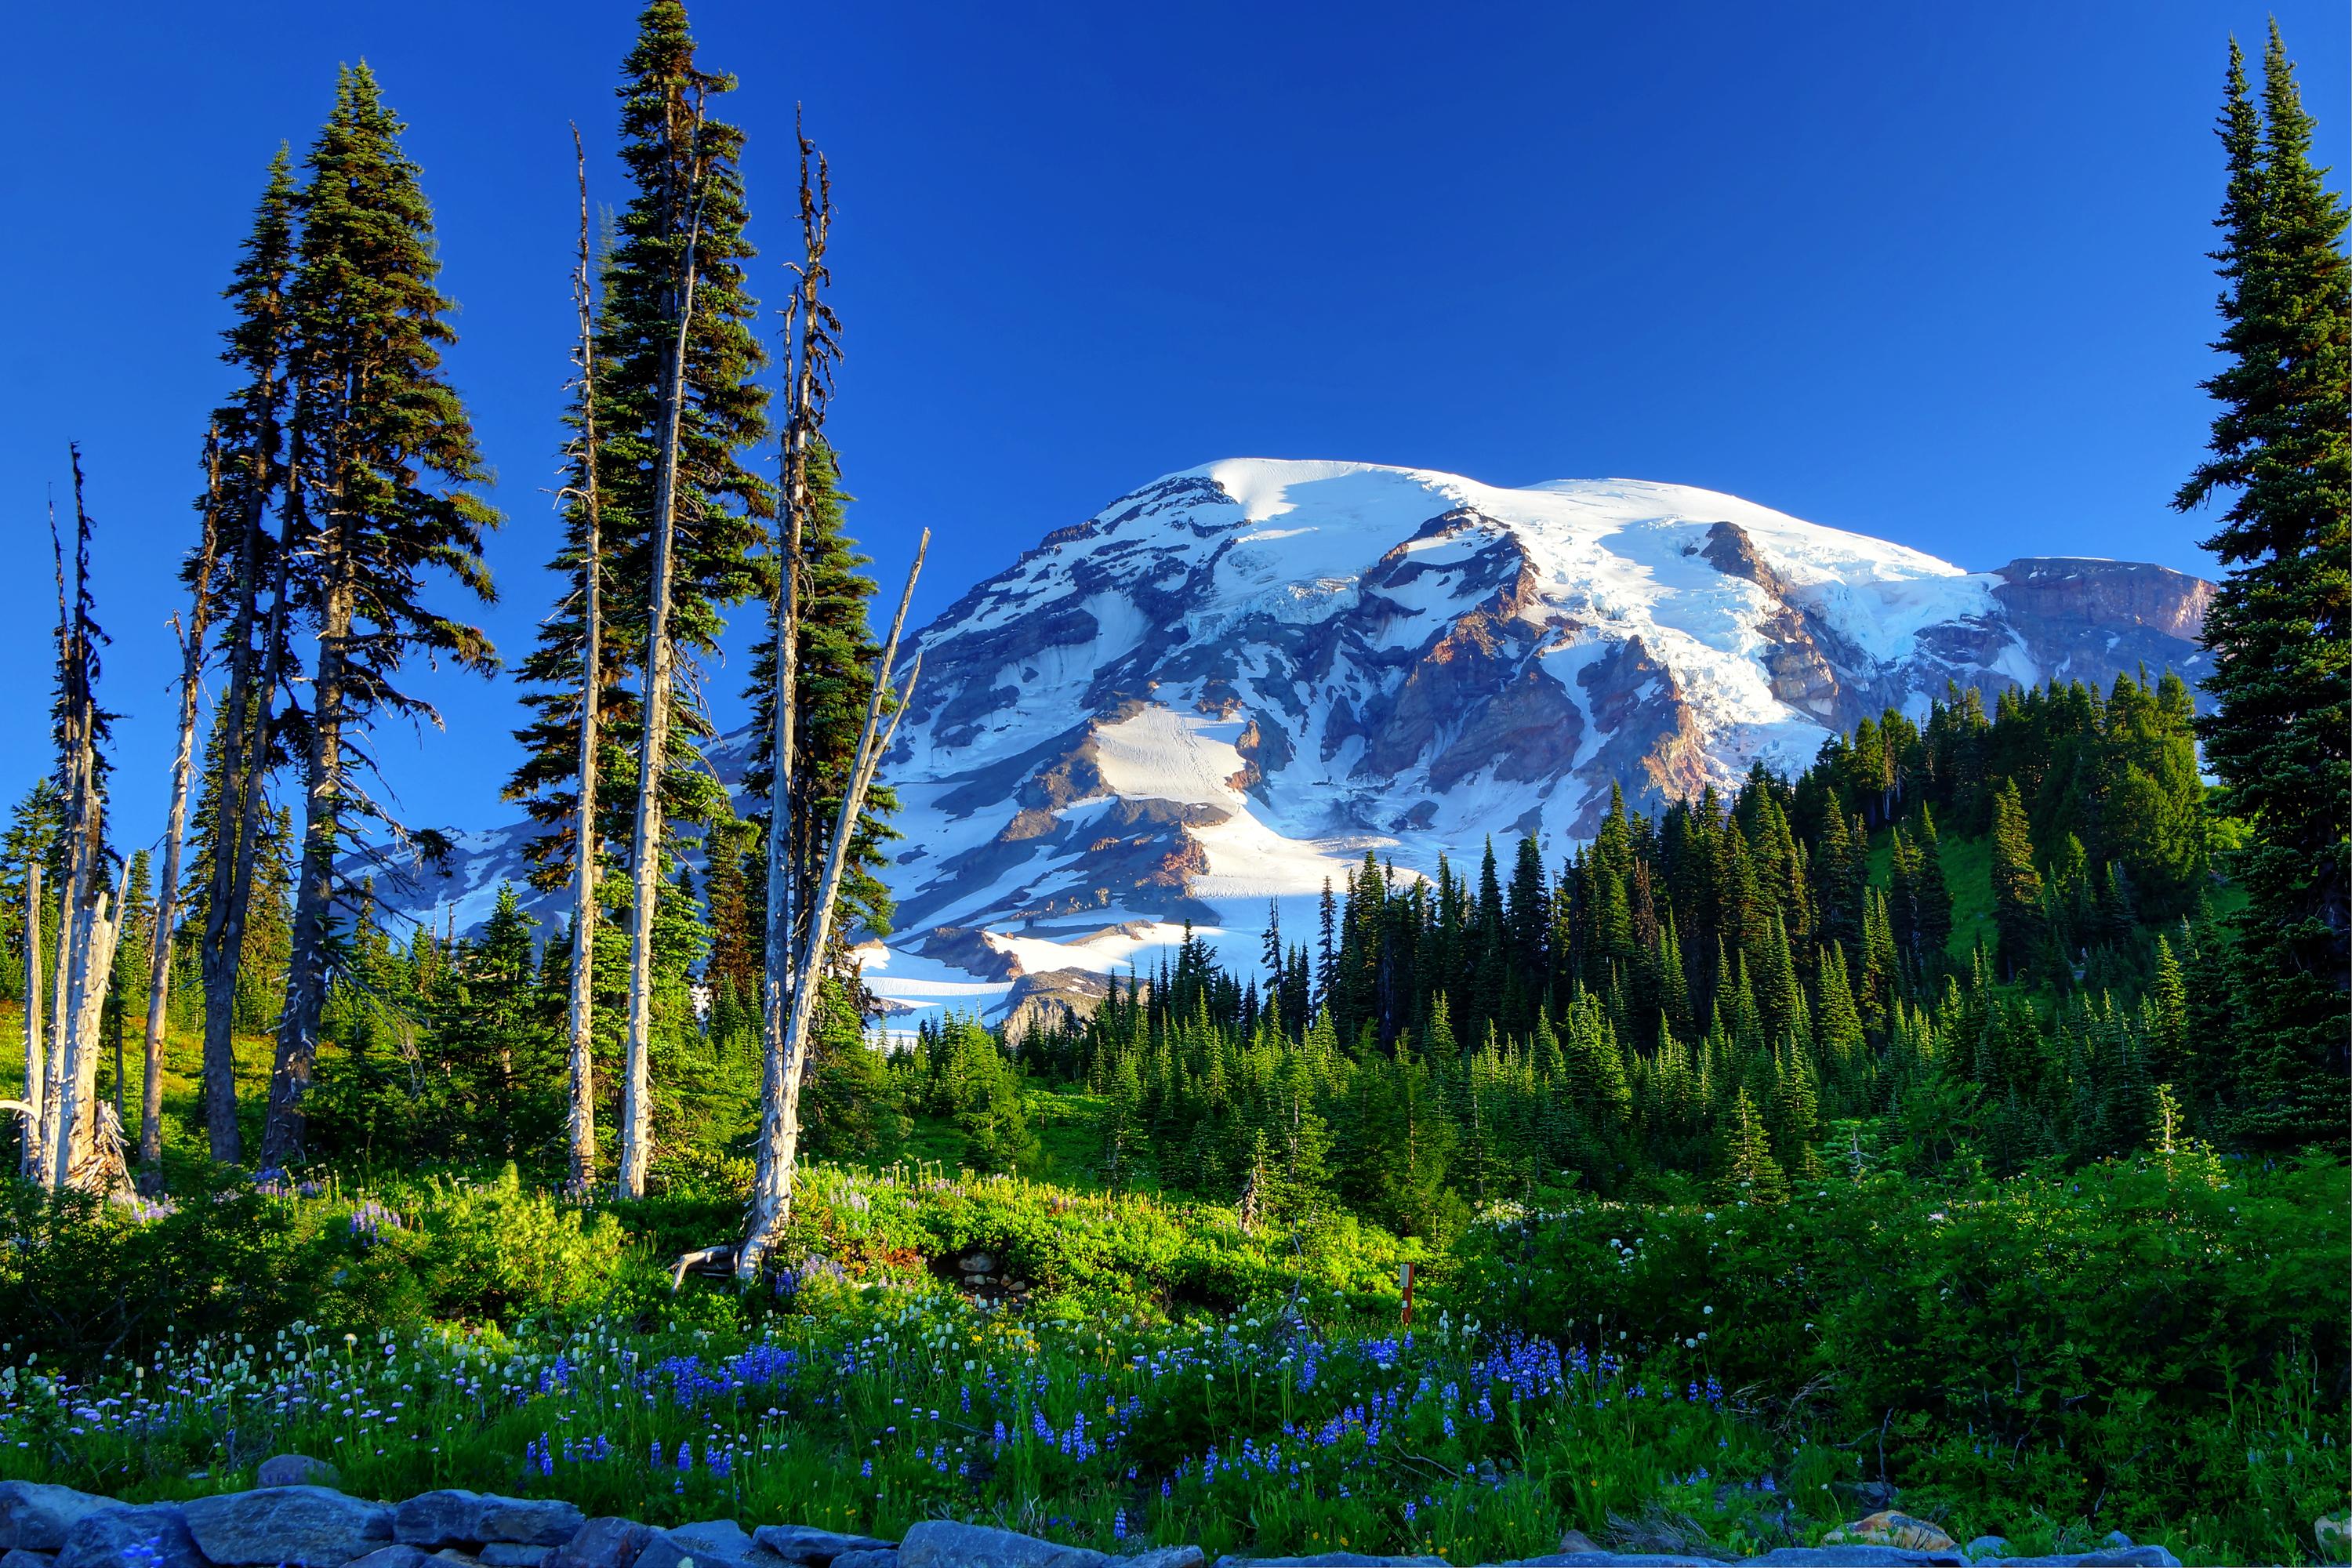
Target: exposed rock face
{"points": [[1058, 996], [1227, 686], [2087, 620]]}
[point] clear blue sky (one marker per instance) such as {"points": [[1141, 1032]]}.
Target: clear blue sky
{"points": [[1928, 272]]}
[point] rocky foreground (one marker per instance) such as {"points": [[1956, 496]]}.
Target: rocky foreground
{"points": [[309, 1526]]}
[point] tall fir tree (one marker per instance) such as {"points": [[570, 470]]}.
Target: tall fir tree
{"points": [[246, 742], [384, 460], [2280, 627], [678, 403]]}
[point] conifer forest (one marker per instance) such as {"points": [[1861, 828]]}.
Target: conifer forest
{"points": [[1933, 1134]]}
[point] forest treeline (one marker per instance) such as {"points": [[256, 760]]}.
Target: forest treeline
{"points": [[1743, 992]]}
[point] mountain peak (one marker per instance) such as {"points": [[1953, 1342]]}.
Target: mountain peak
{"points": [[1230, 683]]}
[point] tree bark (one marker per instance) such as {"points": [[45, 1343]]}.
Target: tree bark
{"points": [[653, 745], [780, 1122], [79, 1108], [243, 744], [29, 1163], [305, 969], [580, 1114], [167, 889]]}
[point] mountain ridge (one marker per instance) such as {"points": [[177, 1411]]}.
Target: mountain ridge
{"points": [[1229, 683]]}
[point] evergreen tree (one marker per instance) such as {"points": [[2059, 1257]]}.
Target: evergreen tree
{"points": [[251, 467], [373, 422], [2280, 627], [1748, 1170], [2016, 884]]}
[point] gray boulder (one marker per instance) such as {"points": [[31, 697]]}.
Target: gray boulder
{"points": [[1163, 1557], [296, 1470], [1985, 1546], [395, 1556], [1857, 1555], [297, 1527], [801, 1545], [453, 1517], [605, 1542], [512, 1554], [712, 1543], [38, 1518], [862, 1557], [101, 1539], [945, 1543], [25, 1557], [2106, 1557]]}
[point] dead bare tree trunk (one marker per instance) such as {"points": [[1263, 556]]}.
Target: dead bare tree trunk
{"points": [[70, 889], [167, 889], [86, 951], [29, 1163], [808, 355], [81, 1111], [779, 1119], [652, 742], [580, 1115]]}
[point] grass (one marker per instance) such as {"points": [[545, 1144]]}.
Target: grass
{"points": [[868, 1397], [1968, 877]]}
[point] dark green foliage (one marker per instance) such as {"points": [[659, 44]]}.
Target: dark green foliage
{"points": [[2121, 1313], [2280, 627], [385, 457], [833, 685], [2016, 886], [1410, 1094]]}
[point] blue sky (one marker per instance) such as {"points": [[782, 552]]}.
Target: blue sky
{"points": [[1931, 273]]}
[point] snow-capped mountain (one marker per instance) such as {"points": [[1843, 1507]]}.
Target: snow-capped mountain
{"points": [[1225, 687]]}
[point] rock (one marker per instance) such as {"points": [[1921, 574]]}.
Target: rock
{"points": [[1164, 1557], [1857, 1555], [510, 1554], [1332, 1560], [712, 1543], [296, 1470], [863, 1558], [25, 1557], [2116, 1540], [1985, 1546], [401, 1555], [801, 1545], [1887, 1528], [295, 1527], [2106, 1557], [1868, 1497], [455, 1517], [106, 1539], [1056, 997], [2335, 1538], [38, 1518], [1574, 1540], [944, 1543], [605, 1542], [1599, 1558]]}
